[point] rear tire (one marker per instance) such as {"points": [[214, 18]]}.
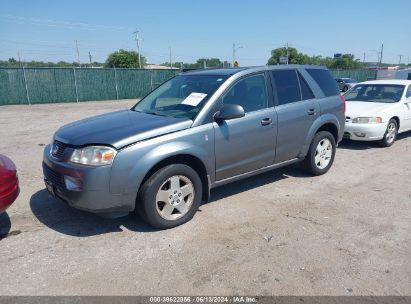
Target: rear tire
{"points": [[390, 134], [170, 197], [321, 154]]}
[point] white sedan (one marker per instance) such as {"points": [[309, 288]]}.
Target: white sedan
{"points": [[378, 110]]}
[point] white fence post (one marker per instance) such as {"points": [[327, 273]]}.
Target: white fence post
{"points": [[115, 80], [25, 84], [75, 83]]}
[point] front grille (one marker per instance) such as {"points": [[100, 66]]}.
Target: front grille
{"points": [[52, 176], [57, 149], [347, 119]]}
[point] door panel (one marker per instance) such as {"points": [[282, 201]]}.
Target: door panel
{"points": [[245, 144], [294, 122], [296, 111], [406, 125]]}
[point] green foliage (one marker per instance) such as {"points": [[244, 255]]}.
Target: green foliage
{"points": [[124, 59], [199, 64], [347, 61], [13, 63]]}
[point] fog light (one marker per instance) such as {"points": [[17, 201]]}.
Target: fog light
{"points": [[359, 134], [72, 183]]}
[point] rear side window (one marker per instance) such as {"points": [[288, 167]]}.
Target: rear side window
{"points": [[306, 92], [288, 88], [325, 81]]}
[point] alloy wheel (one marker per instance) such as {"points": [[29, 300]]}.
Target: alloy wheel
{"points": [[323, 153], [175, 197]]}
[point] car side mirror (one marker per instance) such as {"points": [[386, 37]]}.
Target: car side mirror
{"points": [[229, 111], [408, 100]]}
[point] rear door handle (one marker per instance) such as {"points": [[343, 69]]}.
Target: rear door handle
{"points": [[311, 112], [266, 121]]}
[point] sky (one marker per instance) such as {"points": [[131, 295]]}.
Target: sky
{"points": [[46, 30]]}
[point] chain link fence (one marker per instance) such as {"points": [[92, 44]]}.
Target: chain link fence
{"points": [[50, 85], [359, 75]]}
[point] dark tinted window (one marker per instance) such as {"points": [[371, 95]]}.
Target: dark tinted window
{"points": [[306, 92], [408, 91], [288, 88], [250, 93], [325, 81]]}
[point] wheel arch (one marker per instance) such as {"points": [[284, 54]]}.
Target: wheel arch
{"points": [[186, 159], [397, 119], [329, 124]]}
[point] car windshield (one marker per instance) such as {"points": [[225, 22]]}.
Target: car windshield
{"points": [[349, 80], [182, 96], [387, 93]]}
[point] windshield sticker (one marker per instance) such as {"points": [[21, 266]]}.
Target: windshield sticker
{"points": [[194, 99]]}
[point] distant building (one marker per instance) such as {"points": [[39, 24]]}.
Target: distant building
{"points": [[394, 74], [159, 67]]}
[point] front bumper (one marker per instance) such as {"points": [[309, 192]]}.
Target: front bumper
{"points": [[94, 186], [365, 132]]}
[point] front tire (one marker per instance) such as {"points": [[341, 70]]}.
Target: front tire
{"points": [[345, 89], [390, 134], [170, 197], [321, 154]]}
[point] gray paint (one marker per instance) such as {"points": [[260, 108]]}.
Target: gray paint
{"points": [[228, 150]]}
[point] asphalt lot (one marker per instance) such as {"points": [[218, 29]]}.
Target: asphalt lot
{"points": [[284, 233]]}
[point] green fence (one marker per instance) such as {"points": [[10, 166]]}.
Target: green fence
{"points": [[50, 85], [359, 75]]}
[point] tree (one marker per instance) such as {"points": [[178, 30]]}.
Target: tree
{"points": [[124, 59], [347, 61]]}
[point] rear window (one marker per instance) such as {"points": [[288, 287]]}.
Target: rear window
{"points": [[325, 81]]}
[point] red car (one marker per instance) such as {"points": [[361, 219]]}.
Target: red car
{"points": [[9, 183]]}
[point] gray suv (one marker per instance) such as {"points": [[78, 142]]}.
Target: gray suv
{"points": [[197, 131]]}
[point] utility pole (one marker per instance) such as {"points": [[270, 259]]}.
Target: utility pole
{"points": [[171, 64], [399, 62], [18, 55], [363, 59], [78, 54], [235, 48], [137, 38], [89, 58], [233, 54], [287, 52], [382, 47]]}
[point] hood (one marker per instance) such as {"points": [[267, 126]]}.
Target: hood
{"points": [[119, 129], [366, 109]]}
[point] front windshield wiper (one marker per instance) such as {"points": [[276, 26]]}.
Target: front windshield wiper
{"points": [[151, 112]]}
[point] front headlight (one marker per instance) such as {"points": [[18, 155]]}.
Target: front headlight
{"points": [[367, 120], [93, 156]]}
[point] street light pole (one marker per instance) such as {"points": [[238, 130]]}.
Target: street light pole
{"points": [[235, 48], [138, 47]]}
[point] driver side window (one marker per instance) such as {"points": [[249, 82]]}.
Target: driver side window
{"points": [[250, 93]]}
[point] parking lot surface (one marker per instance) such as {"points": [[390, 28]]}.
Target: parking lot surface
{"points": [[280, 233]]}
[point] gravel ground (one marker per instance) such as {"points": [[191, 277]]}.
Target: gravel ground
{"points": [[281, 233]]}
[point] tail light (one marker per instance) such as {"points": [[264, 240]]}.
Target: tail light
{"points": [[344, 103]]}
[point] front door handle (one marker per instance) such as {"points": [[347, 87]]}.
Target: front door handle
{"points": [[266, 121], [311, 112]]}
